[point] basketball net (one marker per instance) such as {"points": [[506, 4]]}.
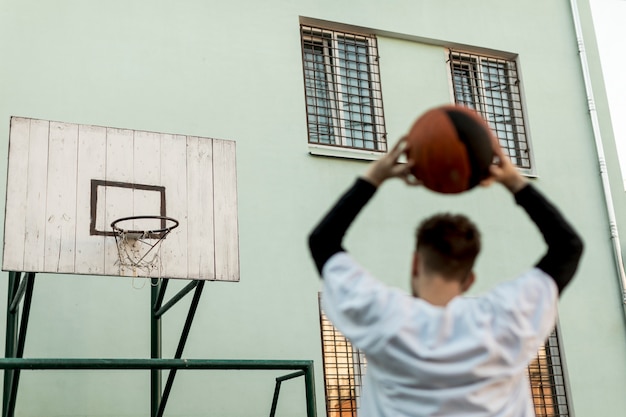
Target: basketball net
{"points": [[137, 255], [139, 251]]}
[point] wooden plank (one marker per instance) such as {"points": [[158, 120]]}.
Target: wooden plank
{"points": [[146, 171], [225, 211], [174, 179], [60, 237], [201, 246], [119, 168], [15, 211], [35, 227], [91, 166]]}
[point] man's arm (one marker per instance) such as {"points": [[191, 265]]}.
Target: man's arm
{"points": [[326, 238], [565, 247]]}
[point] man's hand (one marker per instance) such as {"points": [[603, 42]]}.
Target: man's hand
{"points": [[505, 172], [388, 167]]}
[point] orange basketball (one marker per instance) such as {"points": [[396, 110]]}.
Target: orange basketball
{"points": [[451, 147]]}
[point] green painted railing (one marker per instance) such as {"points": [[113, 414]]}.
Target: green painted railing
{"points": [[304, 368], [20, 291]]}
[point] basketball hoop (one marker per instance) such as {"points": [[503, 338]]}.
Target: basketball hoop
{"points": [[135, 242]]}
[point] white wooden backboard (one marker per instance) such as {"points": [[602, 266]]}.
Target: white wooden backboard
{"points": [[67, 183]]}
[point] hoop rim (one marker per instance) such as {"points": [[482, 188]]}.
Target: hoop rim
{"points": [[118, 230]]}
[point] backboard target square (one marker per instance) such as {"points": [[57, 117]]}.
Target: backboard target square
{"points": [[124, 194], [68, 182]]}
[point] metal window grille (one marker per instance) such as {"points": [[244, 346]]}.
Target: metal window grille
{"points": [[491, 87], [547, 380], [342, 89], [344, 368]]}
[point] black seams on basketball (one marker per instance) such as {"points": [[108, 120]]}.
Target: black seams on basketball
{"points": [[451, 148]]}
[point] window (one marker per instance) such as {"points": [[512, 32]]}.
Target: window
{"points": [[345, 366], [547, 380], [342, 89], [491, 87]]}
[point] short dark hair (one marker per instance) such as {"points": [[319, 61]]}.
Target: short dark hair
{"points": [[448, 244]]}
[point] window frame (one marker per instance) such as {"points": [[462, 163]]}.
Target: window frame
{"points": [[330, 41], [474, 64]]}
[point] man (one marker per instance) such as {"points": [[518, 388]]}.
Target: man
{"points": [[437, 353]]}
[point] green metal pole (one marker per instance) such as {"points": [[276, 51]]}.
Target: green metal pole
{"points": [[160, 311], [155, 347], [11, 337], [181, 346], [279, 381], [34, 364], [21, 341], [309, 384], [19, 293]]}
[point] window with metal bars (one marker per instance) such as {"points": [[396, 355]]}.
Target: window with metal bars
{"points": [[547, 380], [344, 368], [342, 89], [491, 86]]}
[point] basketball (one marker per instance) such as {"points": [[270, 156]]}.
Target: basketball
{"points": [[451, 149]]}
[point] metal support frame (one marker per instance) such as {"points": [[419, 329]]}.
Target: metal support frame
{"points": [[158, 292], [159, 397], [304, 368], [21, 287], [279, 381]]}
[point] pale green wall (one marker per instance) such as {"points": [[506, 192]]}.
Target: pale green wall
{"points": [[232, 70]]}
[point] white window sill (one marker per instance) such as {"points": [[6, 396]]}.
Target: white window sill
{"points": [[363, 155], [527, 172], [339, 152]]}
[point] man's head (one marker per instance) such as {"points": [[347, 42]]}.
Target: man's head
{"points": [[447, 245]]}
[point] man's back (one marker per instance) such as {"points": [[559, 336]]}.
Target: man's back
{"points": [[468, 358]]}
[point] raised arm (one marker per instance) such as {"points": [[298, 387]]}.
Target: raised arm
{"points": [[565, 246], [326, 239]]}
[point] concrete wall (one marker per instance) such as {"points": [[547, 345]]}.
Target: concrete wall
{"points": [[233, 70]]}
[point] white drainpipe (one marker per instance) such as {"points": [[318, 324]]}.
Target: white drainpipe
{"points": [[619, 264]]}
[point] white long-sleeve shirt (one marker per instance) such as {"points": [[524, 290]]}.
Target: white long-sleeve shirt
{"points": [[467, 359]]}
